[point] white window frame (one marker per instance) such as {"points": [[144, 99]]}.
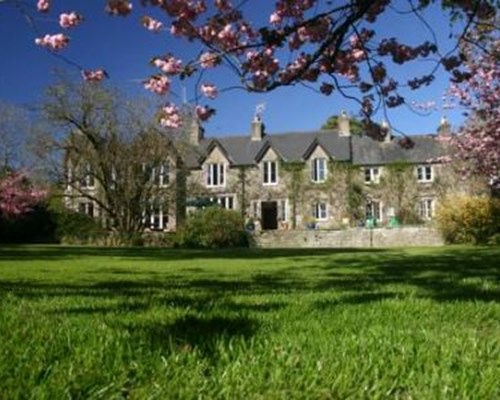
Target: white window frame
{"points": [[88, 180], [220, 169], [226, 202], [267, 172], [283, 210], [160, 175], [375, 210], [426, 208], [87, 208], [156, 211], [316, 170], [372, 175], [422, 175], [320, 211]]}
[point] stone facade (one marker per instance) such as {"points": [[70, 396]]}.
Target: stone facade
{"points": [[349, 238], [326, 180]]}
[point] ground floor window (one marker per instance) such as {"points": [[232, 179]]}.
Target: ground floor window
{"points": [[283, 210], [226, 202], [320, 211], [156, 217], [426, 209], [87, 208], [374, 210]]}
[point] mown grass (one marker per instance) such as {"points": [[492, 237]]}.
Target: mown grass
{"points": [[243, 324]]}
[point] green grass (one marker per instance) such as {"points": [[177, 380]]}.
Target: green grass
{"points": [[277, 324]]}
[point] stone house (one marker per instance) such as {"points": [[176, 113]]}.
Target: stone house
{"points": [[328, 178], [287, 180]]}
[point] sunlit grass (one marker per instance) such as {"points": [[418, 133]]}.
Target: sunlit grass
{"points": [[153, 323]]}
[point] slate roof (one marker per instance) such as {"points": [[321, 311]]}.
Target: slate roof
{"points": [[366, 151], [295, 146]]}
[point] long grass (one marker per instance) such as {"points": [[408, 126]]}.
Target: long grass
{"points": [[249, 324]]}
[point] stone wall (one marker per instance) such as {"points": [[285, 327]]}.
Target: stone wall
{"points": [[357, 237]]}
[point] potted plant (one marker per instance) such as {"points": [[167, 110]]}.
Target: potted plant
{"points": [[310, 222], [250, 225]]}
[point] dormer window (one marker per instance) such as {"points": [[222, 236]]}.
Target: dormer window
{"points": [[215, 174], [372, 175], [270, 172], [319, 170], [424, 173]]}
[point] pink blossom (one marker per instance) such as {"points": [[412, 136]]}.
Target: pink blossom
{"points": [[275, 18], [170, 116], [326, 88], [17, 195], [151, 24], [209, 60], [43, 5], [158, 84], [120, 8], [209, 90], [94, 76], [204, 113], [169, 65], [69, 20], [53, 42]]}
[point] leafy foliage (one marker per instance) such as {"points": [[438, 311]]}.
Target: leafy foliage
{"points": [[356, 125], [469, 219], [213, 227]]}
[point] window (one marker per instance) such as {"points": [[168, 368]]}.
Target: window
{"points": [[215, 174], [226, 202], [155, 218], [426, 208], [160, 175], [372, 175], [374, 210], [88, 180], [320, 211], [87, 208], [270, 170], [283, 212], [424, 173], [319, 170]]}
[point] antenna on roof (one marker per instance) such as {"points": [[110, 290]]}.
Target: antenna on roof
{"points": [[259, 111]]}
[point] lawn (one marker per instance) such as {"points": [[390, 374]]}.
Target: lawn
{"points": [[243, 324]]}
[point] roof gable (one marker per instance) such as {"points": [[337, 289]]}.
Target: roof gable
{"points": [[215, 145]]}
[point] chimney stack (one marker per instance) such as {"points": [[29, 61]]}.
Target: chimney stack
{"points": [[444, 128], [344, 125], [257, 129], [195, 131]]}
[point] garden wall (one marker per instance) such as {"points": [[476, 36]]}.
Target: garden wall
{"points": [[357, 237]]}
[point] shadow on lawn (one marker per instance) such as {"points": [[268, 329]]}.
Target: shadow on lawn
{"points": [[189, 333], [450, 274], [37, 253], [453, 275]]}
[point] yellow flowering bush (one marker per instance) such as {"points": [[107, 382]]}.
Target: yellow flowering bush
{"points": [[469, 219]]}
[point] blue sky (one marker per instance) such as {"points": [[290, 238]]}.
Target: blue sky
{"points": [[123, 47]]}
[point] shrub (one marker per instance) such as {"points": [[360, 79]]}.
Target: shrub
{"points": [[213, 227], [77, 228], [35, 226], [469, 219]]}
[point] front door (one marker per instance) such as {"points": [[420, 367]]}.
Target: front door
{"points": [[269, 211]]}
